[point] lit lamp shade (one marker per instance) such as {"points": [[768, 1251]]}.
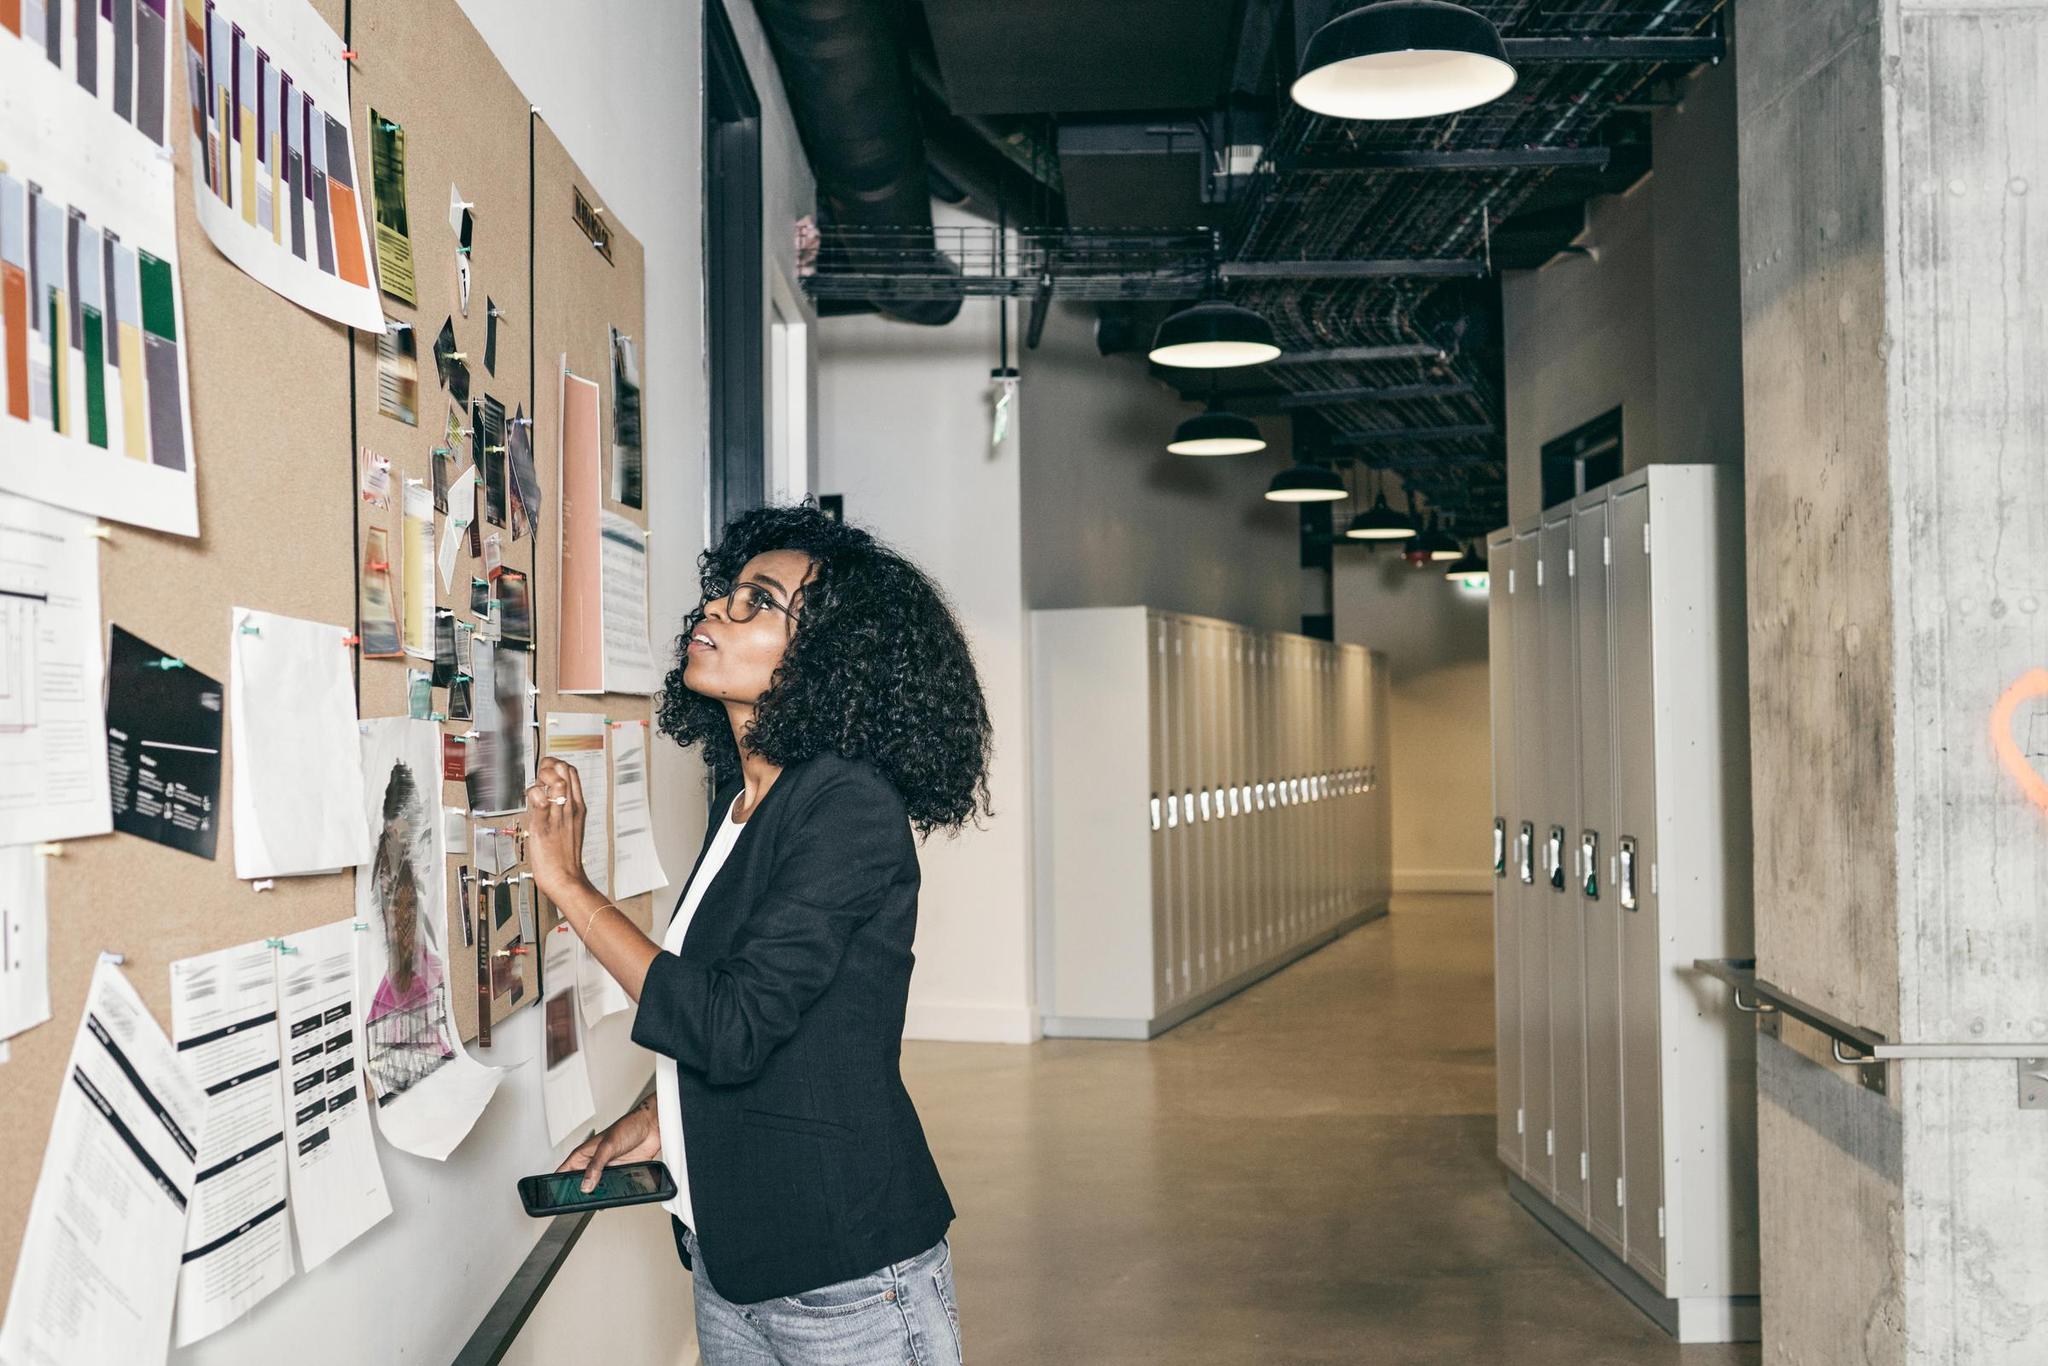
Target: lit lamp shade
{"points": [[1216, 433], [1213, 336], [1403, 59], [1306, 484], [1441, 548], [1468, 569], [1380, 523]]}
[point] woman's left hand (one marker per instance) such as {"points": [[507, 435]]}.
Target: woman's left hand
{"points": [[554, 830]]}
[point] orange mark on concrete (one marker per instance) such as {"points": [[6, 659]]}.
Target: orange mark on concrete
{"points": [[2029, 685]]}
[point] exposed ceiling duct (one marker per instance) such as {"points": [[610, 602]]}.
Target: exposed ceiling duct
{"points": [[844, 71]]}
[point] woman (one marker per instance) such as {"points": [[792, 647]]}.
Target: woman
{"points": [[838, 707]]}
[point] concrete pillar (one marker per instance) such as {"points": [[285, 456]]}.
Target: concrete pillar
{"points": [[1895, 355]]}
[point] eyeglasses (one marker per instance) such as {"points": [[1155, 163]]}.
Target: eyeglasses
{"points": [[747, 599]]}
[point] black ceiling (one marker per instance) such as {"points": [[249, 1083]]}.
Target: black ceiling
{"points": [[1117, 113], [1081, 56]]}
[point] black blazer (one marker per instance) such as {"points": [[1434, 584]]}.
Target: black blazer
{"points": [[784, 1013]]}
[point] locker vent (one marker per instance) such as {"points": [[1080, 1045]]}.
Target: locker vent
{"points": [[1646, 538]]}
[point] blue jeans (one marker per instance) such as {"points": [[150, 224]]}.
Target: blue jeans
{"points": [[901, 1314]]}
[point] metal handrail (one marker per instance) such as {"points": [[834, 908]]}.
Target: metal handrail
{"points": [[1866, 1046]]}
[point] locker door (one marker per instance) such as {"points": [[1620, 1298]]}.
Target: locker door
{"points": [[1596, 837], [1507, 960], [1532, 892], [1561, 900], [1162, 875], [1184, 891], [1233, 830], [1634, 883], [1200, 697]]}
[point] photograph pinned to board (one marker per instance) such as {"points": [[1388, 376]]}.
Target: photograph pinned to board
{"points": [[578, 740], [279, 195], [53, 735], [506, 985], [97, 1277], [629, 662], [526, 495], [490, 335], [461, 701], [501, 766], [114, 55], [565, 1077], [237, 1232], [453, 368], [515, 608], [465, 892], [387, 190], [376, 610], [297, 780], [454, 758], [337, 1183], [419, 694], [25, 926], [429, 1091], [444, 646], [163, 747], [463, 221], [416, 564], [398, 373], [628, 461], [376, 481], [579, 530], [487, 427], [95, 401]]}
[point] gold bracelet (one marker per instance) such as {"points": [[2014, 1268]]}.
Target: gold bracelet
{"points": [[591, 919]]}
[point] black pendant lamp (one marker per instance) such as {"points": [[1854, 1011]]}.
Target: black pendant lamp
{"points": [[1438, 544], [1213, 335], [1469, 569], [1380, 523], [1305, 483], [1217, 432], [1403, 59]]}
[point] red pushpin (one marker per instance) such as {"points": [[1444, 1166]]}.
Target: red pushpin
{"points": [[351, 640], [348, 54]]}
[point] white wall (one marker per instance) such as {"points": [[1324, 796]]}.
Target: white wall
{"points": [[1651, 321], [1112, 519], [1433, 633], [905, 416]]}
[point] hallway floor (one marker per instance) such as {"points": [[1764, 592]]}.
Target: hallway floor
{"points": [[1303, 1174]]}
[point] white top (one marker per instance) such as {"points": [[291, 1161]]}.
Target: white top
{"points": [[667, 1104]]}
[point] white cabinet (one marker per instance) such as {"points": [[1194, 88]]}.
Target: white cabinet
{"points": [[1208, 805], [1621, 752]]}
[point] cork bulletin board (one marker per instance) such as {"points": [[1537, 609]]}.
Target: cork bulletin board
{"points": [[284, 402]]}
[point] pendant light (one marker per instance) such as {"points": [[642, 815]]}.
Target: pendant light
{"points": [[1438, 543], [1213, 335], [1380, 522], [1403, 59], [1302, 482], [1217, 432], [1469, 569]]}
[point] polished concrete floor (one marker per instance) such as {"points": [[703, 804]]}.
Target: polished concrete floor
{"points": [[1303, 1174]]}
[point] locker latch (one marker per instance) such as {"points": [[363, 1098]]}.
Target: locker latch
{"points": [[1500, 847], [1589, 863], [1625, 875], [1527, 854], [1554, 852]]}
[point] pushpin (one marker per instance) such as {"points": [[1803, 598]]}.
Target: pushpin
{"points": [[497, 312], [249, 630], [360, 926], [522, 421], [262, 884], [391, 326], [102, 532], [444, 450], [494, 450], [378, 565], [280, 946], [167, 662], [348, 54], [387, 125], [460, 355], [351, 640], [106, 955], [597, 242], [50, 850]]}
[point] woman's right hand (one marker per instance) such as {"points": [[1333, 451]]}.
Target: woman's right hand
{"points": [[634, 1137]]}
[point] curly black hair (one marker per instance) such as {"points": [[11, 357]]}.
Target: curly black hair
{"points": [[878, 670]]}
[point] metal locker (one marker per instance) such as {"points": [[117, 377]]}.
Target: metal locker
{"points": [[1502, 558], [1532, 895], [1561, 902], [1635, 882], [1162, 868], [1242, 951], [1201, 701], [1177, 831], [1595, 896]]}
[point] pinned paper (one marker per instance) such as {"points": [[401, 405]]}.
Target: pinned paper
{"points": [[298, 779], [455, 830], [461, 504]]}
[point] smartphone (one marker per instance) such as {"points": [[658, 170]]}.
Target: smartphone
{"points": [[627, 1183]]}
